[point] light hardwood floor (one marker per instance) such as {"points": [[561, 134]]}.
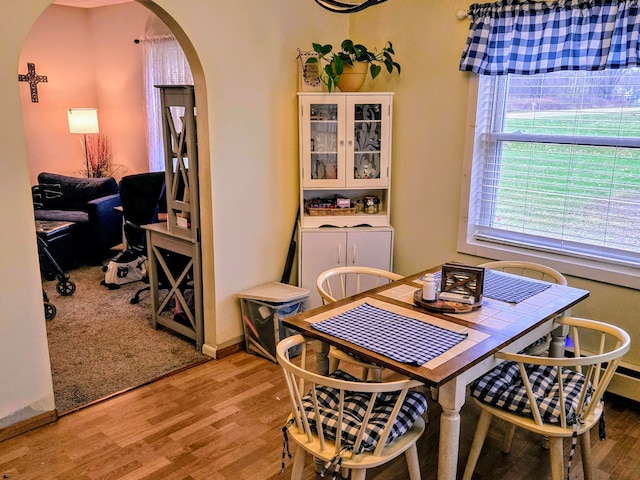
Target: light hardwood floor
{"points": [[222, 420]]}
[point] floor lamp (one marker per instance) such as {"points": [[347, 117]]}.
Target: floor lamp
{"points": [[83, 121]]}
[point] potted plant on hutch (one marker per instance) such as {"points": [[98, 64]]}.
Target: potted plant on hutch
{"points": [[347, 69]]}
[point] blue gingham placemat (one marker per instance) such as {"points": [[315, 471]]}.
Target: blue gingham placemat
{"points": [[510, 289], [403, 339]]}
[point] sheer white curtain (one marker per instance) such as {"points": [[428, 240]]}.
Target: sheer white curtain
{"points": [[164, 64]]}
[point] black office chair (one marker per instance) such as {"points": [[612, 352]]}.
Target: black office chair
{"points": [[142, 196]]}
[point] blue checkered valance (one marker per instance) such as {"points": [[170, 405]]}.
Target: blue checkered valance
{"points": [[526, 37]]}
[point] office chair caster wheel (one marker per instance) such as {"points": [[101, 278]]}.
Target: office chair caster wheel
{"points": [[66, 287], [49, 311]]}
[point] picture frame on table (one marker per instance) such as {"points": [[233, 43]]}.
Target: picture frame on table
{"points": [[463, 280]]}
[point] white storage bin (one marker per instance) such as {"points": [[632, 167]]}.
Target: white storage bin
{"points": [[263, 309]]}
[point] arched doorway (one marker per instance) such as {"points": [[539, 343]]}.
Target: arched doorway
{"points": [[202, 126]]}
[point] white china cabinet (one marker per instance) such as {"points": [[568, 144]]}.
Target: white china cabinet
{"points": [[345, 175]]}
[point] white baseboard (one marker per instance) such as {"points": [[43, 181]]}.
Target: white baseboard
{"points": [[626, 382], [212, 351], [209, 350]]}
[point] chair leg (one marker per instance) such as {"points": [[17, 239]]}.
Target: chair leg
{"points": [[508, 438], [365, 374], [585, 450], [545, 442], [298, 464], [376, 374], [434, 393], [358, 474], [413, 464], [333, 364], [478, 440], [557, 461]]}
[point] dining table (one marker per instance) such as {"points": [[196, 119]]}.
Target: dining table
{"points": [[446, 351]]}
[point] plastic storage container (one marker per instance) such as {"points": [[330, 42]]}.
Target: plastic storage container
{"points": [[263, 309]]}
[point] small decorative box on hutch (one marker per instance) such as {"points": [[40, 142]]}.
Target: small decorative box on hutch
{"points": [[345, 175], [173, 247]]}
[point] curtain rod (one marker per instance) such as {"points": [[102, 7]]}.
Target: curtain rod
{"points": [[461, 14], [164, 36]]}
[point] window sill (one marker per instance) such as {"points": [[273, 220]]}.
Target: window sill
{"points": [[576, 267]]}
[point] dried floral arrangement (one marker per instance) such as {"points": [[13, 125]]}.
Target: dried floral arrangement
{"points": [[100, 157]]}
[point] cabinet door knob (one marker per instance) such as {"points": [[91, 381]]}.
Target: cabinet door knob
{"points": [[342, 143]]}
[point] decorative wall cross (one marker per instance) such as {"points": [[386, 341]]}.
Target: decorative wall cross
{"points": [[33, 80]]}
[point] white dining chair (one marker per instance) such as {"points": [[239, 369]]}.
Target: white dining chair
{"points": [[337, 283], [529, 270], [537, 271], [348, 424], [555, 397], [543, 345]]}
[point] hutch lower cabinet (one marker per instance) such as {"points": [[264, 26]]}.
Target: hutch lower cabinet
{"points": [[329, 247]]}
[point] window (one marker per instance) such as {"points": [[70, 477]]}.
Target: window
{"points": [[555, 172]]}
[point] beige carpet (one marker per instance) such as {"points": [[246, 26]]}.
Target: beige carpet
{"points": [[100, 344]]}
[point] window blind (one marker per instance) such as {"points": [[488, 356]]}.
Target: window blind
{"points": [[557, 163]]}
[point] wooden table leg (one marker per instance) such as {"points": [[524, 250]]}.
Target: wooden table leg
{"points": [[322, 366], [322, 359], [558, 337], [451, 397]]}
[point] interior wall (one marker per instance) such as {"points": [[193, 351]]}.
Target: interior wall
{"points": [[119, 81], [26, 389], [428, 125], [88, 63], [58, 46]]}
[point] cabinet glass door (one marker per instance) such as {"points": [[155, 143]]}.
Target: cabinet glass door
{"points": [[367, 142], [324, 144]]}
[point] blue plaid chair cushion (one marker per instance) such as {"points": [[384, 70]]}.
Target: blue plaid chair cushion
{"points": [[356, 403], [502, 387]]}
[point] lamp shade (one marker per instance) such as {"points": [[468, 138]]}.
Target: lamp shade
{"points": [[83, 120]]}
